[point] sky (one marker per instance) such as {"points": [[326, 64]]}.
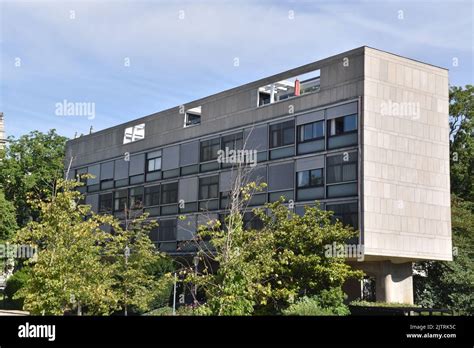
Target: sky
{"points": [[129, 59]]}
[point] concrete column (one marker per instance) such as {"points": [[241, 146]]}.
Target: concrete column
{"points": [[394, 282]]}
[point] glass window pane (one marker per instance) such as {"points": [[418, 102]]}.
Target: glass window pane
{"points": [[350, 123], [339, 125], [303, 179], [288, 136], [316, 177], [301, 133], [308, 132], [318, 129], [349, 172]]}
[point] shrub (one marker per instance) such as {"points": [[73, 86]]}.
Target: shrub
{"points": [[163, 311], [15, 283], [307, 306], [382, 304], [328, 302]]}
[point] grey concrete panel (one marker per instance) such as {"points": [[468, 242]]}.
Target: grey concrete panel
{"points": [[170, 158], [256, 138], [310, 117], [137, 164], [107, 170], [95, 171], [341, 110], [121, 169], [281, 176], [308, 163], [188, 189], [189, 153]]}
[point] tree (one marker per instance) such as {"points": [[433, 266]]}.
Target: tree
{"points": [[68, 273], [265, 271], [7, 218], [29, 166], [80, 266], [461, 111], [301, 263], [133, 259]]}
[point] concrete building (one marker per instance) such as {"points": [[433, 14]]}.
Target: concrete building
{"points": [[364, 132]]}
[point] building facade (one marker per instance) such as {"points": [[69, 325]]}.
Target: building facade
{"points": [[364, 132]]}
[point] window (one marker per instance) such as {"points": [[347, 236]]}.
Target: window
{"points": [[193, 116], [342, 125], [347, 213], [167, 230], [169, 193], [209, 149], [310, 178], [136, 198], [192, 119], [152, 195], [153, 161], [134, 133], [232, 142], [120, 201], [341, 168], [311, 131], [80, 175], [105, 203], [252, 222], [209, 187], [282, 134]]}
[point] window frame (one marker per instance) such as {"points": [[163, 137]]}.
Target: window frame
{"points": [[208, 186], [234, 140], [341, 165], [133, 197], [302, 126], [130, 134], [152, 194], [188, 123], [164, 191], [154, 158], [280, 130], [101, 200], [328, 125], [120, 199], [310, 185], [209, 144]]}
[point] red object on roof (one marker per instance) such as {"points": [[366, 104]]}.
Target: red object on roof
{"points": [[297, 87]]}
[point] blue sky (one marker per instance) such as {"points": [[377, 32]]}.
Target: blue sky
{"points": [[175, 60]]}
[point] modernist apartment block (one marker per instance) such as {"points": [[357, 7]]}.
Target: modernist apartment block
{"points": [[364, 132]]}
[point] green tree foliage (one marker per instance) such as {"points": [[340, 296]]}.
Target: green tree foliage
{"points": [[263, 272], [7, 218], [135, 283], [80, 266], [329, 302], [15, 283], [301, 264], [461, 111], [451, 284], [29, 166]]}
